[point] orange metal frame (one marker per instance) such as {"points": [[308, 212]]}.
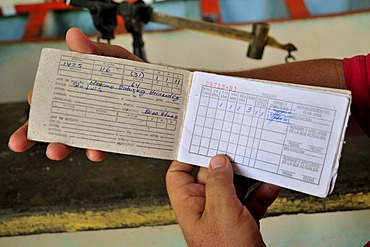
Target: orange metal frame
{"points": [[297, 9], [211, 8], [37, 14]]}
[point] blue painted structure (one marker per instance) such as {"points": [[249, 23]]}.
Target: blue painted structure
{"points": [[232, 11]]}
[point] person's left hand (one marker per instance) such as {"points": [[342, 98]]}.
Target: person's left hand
{"points": [[77, 42], [209, 210]]}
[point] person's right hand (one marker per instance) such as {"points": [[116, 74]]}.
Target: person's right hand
{"points": [[208, 208], [78, 42]]}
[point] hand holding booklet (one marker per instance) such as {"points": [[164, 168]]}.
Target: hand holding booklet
{"points": [[279, 133]]}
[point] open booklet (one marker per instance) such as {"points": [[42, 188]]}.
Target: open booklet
{"points": [[278, 133]]}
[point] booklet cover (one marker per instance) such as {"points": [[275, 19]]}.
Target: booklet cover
{"points": [[284, 134]]}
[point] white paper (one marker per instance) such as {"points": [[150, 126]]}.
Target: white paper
{"points": [[277, 133]]}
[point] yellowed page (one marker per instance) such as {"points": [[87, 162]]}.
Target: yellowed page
{"points": [[109, 104]]}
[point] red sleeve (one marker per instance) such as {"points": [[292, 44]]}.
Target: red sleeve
{"points": [[357, 74]]}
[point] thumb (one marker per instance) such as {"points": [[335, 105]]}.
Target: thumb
{"points": [[220, 191], [79, 42]]}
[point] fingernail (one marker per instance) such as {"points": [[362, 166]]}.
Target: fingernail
{"points": [[218, 161]]}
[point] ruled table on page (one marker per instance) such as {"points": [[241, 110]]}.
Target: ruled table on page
{"points": [[264, 128], [268, 134]]}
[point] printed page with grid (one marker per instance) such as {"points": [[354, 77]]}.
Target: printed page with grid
{"points": [[277, 133]]}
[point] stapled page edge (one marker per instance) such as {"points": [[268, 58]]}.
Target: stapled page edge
{"points": [[35, 91], [340, 148]]}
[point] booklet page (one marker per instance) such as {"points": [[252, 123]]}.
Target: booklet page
{"points": [[108, 104], [278, 133]]}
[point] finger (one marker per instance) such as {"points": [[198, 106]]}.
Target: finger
{"points": [[58, 151], [261, 198], [29, 97], [202, 175], [186, 196], [221, 196], [79, 42], [18, 141], [178, 175], [95, 155]]}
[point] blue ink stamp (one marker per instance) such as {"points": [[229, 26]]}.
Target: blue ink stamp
{"points": [[279, 115]]}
